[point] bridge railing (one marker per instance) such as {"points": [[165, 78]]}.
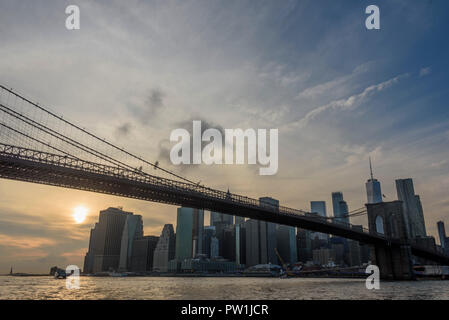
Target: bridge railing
{"points": [[139, 176]]}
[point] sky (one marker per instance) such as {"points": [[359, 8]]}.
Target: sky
{"points": [[136, 70]]}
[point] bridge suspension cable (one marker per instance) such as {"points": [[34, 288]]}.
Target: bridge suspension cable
{"points": [[21, 119], [354, 213]]}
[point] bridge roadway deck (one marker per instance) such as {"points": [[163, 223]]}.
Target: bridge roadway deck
{"points": [[28, 165]]}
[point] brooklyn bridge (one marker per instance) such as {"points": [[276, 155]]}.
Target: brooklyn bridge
{"points": [[39, 146]]}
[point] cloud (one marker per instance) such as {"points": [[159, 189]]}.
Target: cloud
{"points": [[24, 242], [123, 130], [335, 84], [425, 72], [146, 111], [348, 103], [155, 99]]}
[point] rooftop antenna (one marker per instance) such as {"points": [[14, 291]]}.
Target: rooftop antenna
{"points": [[371, 168]]}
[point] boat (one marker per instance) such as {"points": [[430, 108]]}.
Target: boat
{"points": [[60, 274], [431, 271], [117, 274]]}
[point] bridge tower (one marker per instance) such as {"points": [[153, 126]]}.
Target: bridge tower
{"points": [[394, 259]]}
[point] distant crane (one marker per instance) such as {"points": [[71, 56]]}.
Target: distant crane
{"points": [[284, 265]]}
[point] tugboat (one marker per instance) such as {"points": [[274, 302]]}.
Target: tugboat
{"points": [[58, 273]]}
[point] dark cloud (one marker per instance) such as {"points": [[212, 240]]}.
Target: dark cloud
{"points": [[155, 100], [150, 108], [123, 130]]}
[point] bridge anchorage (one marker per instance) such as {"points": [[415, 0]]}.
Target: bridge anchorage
{"points": [[38, 146]]}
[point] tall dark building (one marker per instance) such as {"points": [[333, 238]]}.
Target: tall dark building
{"points": [[271, 230], [304, 245], [240, 239], [256, 242], [229, 244], [442, 234], [344, 212], [413, 212], [355, 258], [189, 233], [373, 190], [105, 241], [143, 253], [340, 246], [209, 233], [132, 230], [89, 258], [286, 243]]}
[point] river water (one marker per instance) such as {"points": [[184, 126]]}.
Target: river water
{"points": [[216, 288]]}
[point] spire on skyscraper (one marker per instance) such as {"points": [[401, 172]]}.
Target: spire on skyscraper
{"points": [[373, 192]]}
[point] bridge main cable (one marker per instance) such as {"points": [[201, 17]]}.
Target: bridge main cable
{"points": [[96, 137]]}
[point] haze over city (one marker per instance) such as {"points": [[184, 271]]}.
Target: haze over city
{"points": [[135, 71]]}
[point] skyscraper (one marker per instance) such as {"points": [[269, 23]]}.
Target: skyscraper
{"points": [[229, 243], [340, 208], [442, 234], [413, 213], [132, 230], [165, 249], [143, 253], [105, 241], [373, 191], [253, 243], [209, 233], [214, 247], [320, 208], [189, 233], [271, 230], [336, 198], [344, 211], [286, 243], [304, 245], [89, 258], [239, 243]]}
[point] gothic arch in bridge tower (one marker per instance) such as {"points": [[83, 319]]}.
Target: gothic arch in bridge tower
{"points": [[380, 225]]}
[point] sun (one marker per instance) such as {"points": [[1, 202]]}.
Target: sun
{"points": [[79, 214]]}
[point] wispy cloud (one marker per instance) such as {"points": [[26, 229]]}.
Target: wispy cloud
{"points": [[25, 242], [348, 103]]}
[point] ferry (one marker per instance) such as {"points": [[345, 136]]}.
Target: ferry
{"points": [[432, 272]]}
